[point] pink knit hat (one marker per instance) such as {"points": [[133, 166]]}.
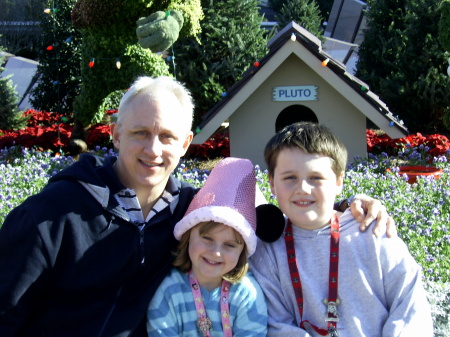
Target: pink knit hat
{"points": [[227, 197]]}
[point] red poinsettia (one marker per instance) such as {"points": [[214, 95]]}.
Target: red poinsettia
{"points": [[99, 134], [438, 144], [50, 131], [111, 112], [216, 146]]}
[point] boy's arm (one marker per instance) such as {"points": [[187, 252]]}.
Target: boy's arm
{"points": [[365, 210], [282, 321], [409, 310]]}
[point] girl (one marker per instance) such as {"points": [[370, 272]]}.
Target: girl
{"points": [[210, 292]]}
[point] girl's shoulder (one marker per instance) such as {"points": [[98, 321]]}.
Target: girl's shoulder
{"points": [[248, 286], [175, 278]]}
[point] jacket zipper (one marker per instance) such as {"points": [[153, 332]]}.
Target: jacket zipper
{"points": [[142, 252], [142, 245]]}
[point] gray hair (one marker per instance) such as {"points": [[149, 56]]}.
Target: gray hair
{"points": [[154, 87]]}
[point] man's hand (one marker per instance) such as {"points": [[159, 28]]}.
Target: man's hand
{"points": [[366, 209]]}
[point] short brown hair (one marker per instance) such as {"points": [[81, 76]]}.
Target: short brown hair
{"points": [[310, 138], [184, 264]]}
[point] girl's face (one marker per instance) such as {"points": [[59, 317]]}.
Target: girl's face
{"points": [[213, 254]]}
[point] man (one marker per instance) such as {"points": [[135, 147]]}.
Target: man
{"points": [[85, 255]]}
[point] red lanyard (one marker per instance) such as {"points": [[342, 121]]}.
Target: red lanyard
{"points": [[204, 323], [332, 301]]}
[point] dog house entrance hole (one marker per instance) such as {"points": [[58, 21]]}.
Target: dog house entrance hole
{"points": [[293, 114]]}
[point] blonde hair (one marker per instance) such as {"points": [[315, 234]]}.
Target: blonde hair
{"points": [[184, 264]]}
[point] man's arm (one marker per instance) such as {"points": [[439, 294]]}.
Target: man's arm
{"points": [[22, 265], [366, 209]]}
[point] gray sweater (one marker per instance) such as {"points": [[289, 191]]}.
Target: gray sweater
{"points": [[380, 284]]}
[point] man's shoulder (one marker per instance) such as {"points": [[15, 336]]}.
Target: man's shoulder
{"points": [[185, 184], [85, 169], [63, 188], [186, 189]]}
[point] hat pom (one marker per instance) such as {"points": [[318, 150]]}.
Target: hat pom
{"points": [[271, 222]]}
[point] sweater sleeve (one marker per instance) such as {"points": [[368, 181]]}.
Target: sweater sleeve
{"points": [[409, 310], [283, 320]]}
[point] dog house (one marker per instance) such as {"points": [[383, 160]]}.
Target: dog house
{"points": [[297, 81]]}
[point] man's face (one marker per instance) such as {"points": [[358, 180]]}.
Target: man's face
{"points": [[152, 138]]}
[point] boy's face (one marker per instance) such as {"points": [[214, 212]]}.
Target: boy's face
{"points": [[305, 186]]}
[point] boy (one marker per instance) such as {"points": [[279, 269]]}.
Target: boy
{"points": [[322, 281]]}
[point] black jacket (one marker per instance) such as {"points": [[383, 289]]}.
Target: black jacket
{"points": [[74, 265]]}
